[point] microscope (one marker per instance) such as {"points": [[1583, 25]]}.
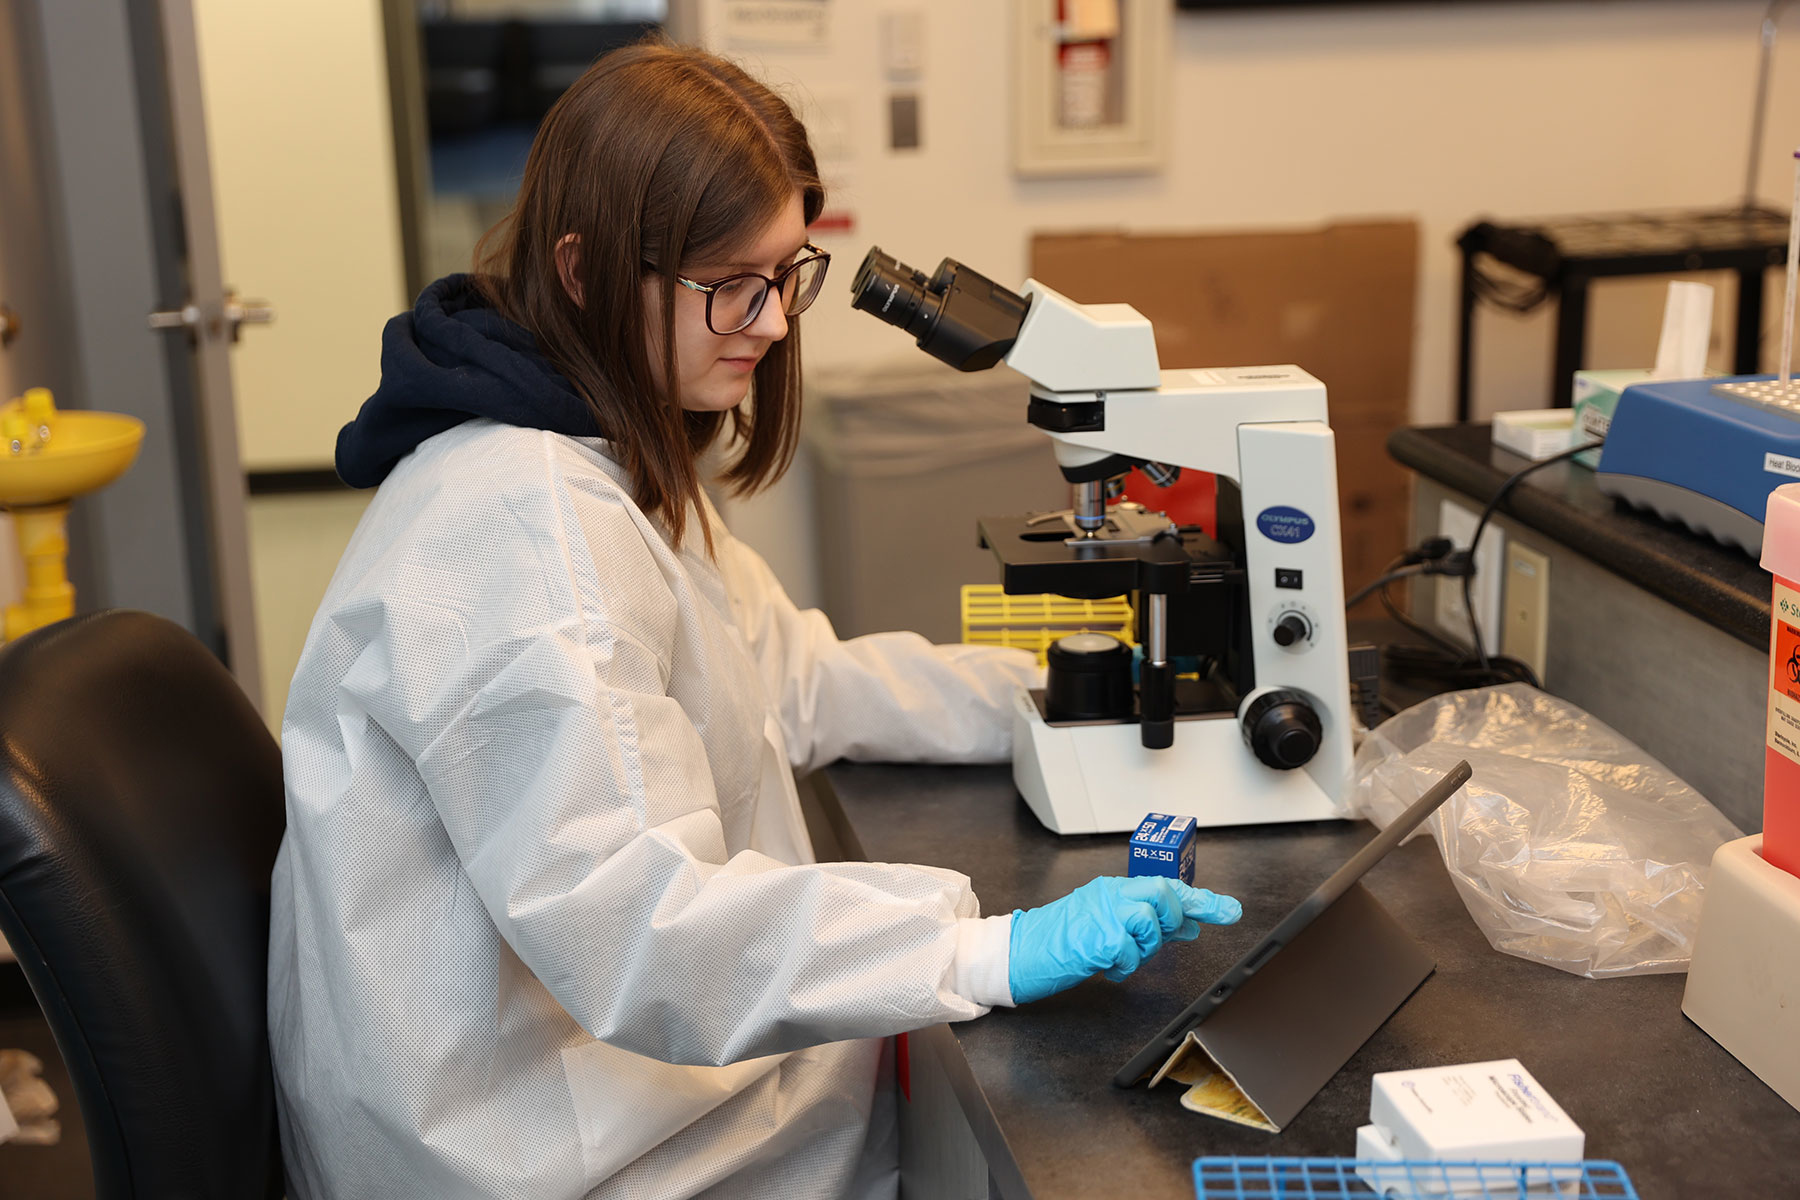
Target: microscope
{"points": [[1260, 731]]}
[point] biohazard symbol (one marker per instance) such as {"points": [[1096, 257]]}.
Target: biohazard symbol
{"points": [[1786, 660]]}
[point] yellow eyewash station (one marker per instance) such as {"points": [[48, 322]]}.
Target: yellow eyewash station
{"points": [[47, 458]]}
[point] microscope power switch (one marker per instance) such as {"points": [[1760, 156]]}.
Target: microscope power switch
{"points": [[1281, 729]]}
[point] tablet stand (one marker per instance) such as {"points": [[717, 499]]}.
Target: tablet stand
{"points": [[1298, 1019]]}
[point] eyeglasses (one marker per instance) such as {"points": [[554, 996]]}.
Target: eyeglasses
{"points": [[734, 303]]}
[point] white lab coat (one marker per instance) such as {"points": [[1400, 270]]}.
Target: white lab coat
{"points": [[546, 918]]}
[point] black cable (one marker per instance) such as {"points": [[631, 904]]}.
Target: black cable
{"points": [[1512, 295], [1487, 514], [1468, 590], [1453, 672], [1441, 660], [1390, 576], [1425, 631]]}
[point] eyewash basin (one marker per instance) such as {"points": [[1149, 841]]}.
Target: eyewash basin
{"points": [[85, 451]]}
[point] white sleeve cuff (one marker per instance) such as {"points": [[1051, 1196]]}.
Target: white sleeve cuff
{"points": [[980, 971]]}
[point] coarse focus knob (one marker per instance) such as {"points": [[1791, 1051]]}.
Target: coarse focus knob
{"points": [[1290, 629], [1282, 729]]}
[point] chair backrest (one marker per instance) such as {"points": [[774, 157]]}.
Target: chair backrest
{"points": [[141, 808]]}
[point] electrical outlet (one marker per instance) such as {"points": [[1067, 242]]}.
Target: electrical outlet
{"points": [[1525, 630], [1458, 524]]}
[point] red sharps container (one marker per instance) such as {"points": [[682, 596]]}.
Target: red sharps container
{"points": [[1781, 761]]}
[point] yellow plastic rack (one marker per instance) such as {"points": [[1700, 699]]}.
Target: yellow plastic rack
{"points": [[990, 617]]}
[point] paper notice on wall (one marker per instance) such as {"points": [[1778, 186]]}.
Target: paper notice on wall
{"points": [[829, 117], [777, 24]]}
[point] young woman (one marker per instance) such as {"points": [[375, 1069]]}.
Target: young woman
{"points": [[546, 920]]}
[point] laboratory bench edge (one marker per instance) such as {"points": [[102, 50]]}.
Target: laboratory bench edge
{"points": [[1033, 1089]]}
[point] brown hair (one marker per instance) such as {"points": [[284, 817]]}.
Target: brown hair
{"points": [[658, 155]]}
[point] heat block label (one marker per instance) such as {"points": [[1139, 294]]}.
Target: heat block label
{"points": [[1784, 674], [1782, 464]]}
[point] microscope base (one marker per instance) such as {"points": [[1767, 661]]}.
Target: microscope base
{"points": [[1100, 779]]}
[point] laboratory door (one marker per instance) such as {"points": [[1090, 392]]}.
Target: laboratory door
{"points": [[109, 274]]}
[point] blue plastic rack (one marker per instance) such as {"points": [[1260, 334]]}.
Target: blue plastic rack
{"points": [[1332, 1178]]}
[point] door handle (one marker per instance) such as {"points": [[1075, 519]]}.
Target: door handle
{"points": [[234, 314], [185, 317], [239, 313]]}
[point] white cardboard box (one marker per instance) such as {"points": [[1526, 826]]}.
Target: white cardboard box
{"points": [[1475, 1112], [1487, 1110], [1535, 432]]}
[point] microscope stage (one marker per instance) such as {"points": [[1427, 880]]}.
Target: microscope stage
{"points": [[1036, 556]]}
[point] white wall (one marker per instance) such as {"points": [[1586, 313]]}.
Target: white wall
{"points": [[1443, 113]]}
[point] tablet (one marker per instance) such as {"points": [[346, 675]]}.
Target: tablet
{"points": [[1164, 1044]]}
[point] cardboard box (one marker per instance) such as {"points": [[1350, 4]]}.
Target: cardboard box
{"points": [[1338, 302]]}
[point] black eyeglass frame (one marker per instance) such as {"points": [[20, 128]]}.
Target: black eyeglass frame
{"points": [[769, 284]]}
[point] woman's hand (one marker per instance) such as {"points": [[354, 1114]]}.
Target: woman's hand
{"points": [[1109, 925]]}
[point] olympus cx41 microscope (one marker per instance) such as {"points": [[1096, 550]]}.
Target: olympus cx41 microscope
{"points": [[1261, 732]]}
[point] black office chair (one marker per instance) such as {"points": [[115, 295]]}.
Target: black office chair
{"points": [[140, 812]]}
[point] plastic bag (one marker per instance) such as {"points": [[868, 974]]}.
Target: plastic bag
{"points": [[1570, 845]]}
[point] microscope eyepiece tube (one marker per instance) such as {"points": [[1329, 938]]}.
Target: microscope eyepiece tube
{"points": [[889, 290], [958, 315]]}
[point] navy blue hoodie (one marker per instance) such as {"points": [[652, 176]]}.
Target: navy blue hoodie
{"points": [[449, 360]]}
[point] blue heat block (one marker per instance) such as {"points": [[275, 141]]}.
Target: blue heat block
{"points": [[1335, 1178], [1704, 460]]}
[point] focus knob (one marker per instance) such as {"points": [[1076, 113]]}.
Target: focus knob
{"points": [[1290, 629], [1281, 729]]}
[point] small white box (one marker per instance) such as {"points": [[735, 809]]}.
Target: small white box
{"points": [[1535, 432], [1376, 1146], [1486, 1110], [1476, 1112]]}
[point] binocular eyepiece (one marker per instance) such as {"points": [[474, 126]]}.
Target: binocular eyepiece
{"points": [[957, 315]]}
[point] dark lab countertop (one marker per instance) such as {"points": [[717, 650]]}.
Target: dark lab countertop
{"points": [[1722, 586], [1649, 1088]]}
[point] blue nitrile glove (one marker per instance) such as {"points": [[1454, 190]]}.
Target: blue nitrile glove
{"points": [[1109, 925]]}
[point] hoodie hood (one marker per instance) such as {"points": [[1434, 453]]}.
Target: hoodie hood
{"points": [[451, 359]]}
